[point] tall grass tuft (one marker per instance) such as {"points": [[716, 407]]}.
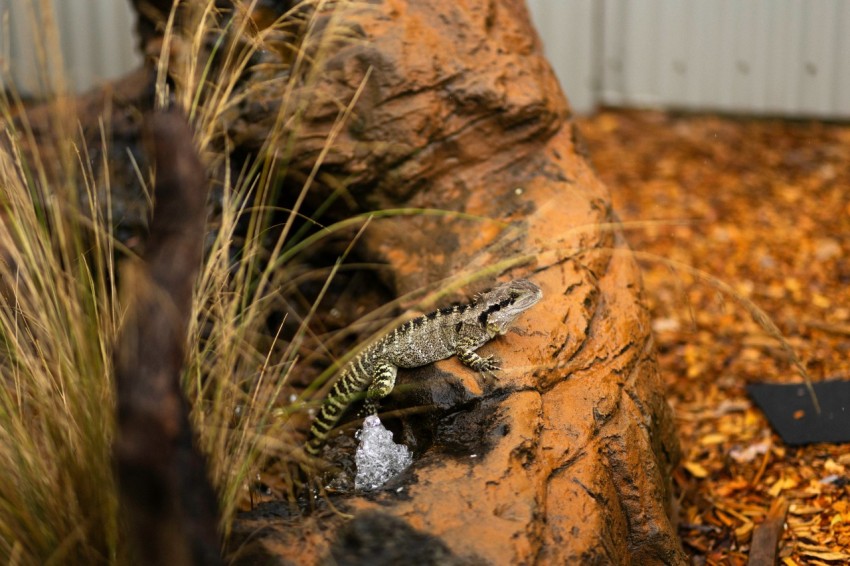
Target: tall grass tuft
{"points": [[59, 310], [238, 365], [57, 322]]}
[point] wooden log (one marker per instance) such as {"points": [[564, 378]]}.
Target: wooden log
{"points": [[766, 535], [166, 497]]}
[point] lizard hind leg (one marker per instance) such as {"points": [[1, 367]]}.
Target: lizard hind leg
{"points": [[383, 381]]}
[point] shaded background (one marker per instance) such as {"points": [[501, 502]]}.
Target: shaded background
{"points": [[757, 57]]}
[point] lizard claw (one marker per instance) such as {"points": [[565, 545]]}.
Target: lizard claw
{"points": [[488, 365]]}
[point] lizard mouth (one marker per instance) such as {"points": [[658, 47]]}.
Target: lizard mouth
{"points": [[508, 302]]}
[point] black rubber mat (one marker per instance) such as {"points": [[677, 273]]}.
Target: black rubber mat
{"points": [[790, 411]]}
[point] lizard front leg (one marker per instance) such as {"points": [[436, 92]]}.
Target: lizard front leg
{"points": [[466, 354], [383, 381]]}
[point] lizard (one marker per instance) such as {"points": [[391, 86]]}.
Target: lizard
{"points": [[452, 331]]}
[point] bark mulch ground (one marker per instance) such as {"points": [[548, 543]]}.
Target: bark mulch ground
{"points": [[764, 206]]}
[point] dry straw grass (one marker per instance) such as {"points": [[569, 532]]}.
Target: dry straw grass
{"points": [[59, 310], [57, 320]]}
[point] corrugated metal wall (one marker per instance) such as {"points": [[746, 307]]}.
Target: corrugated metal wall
{"points": [[785, 57], [96, 42], [570, 30]]}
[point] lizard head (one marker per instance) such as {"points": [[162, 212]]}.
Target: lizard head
{"points": [[504, 303]]}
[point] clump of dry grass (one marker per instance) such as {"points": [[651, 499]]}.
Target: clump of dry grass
{"points": [[236, 366], [57, 321], [59, 310]]}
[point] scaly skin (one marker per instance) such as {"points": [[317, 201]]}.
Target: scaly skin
{"points": [[453, 331]]}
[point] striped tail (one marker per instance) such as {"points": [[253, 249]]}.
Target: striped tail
{"points": [[346, 390]]}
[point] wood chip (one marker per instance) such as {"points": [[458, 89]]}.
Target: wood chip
{"points": [[828, 556], [746, 181], [766, 536], [696, 470]]}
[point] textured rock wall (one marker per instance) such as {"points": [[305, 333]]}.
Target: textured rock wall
{"points": [[566, 458]]}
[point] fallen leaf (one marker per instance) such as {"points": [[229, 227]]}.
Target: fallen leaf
{"points": [[696, 470], [750, 453], [713, 439], [771, 227], [828, 556], [781, 485]]}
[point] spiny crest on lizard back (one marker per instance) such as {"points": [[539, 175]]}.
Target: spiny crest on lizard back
{"points": [[505, 302]]}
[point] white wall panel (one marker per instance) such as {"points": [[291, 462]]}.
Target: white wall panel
{"points": [[784, 43], [787, 57], [820, 36], [613, 88], [745, 68], [570, 33], [18, 52], [841, 66], [700, 56], [675, 51], [95, 37]]}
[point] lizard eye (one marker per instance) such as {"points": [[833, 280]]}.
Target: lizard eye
{"points": [[515, 294]]}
